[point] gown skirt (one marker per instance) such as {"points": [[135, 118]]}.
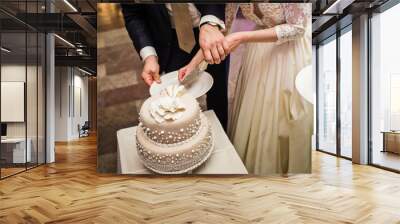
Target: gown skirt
{"points": [[270, 123]]}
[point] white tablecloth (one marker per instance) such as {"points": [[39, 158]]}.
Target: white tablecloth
{"points": [[223, 160]]}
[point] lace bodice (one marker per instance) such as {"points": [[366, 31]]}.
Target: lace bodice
{"points": [[288, 19]]}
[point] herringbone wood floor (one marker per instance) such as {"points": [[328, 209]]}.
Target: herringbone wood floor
{"points": [[70, 191]]}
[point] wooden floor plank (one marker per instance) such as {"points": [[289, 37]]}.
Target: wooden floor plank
{"points": [[71, 191]]}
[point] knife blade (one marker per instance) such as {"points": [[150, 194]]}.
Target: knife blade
{"points": [[192, 76]]}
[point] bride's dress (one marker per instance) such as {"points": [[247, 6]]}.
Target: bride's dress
{"points": [[271, 124]]}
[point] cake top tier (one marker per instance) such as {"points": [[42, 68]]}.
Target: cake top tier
{"points": [[172, 111]]}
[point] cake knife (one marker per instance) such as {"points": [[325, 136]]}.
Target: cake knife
{"points": [[193, 75]]}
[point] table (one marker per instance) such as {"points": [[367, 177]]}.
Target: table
{"points": [[223, 159], [18, 149], [391, 141]]}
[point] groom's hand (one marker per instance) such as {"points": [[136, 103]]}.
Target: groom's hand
{"points": [[211, 43], [151, 70]]}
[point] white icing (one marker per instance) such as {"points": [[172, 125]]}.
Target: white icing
{"points": [[169, 107], [173, 90]]}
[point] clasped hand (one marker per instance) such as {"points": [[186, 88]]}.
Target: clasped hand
{"points": [[214, 47], [229, 44]]}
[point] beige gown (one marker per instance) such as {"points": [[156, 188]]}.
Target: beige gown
{"points": [[270, 123]]}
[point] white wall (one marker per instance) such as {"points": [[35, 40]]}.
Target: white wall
{"points": [[13, 101], [80, 84], [62, 81], [12, 73], [33, 126], [16, 73], [70, 83]]}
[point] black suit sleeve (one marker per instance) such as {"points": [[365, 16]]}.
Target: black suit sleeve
{"points": [[136, 25], [217, 10]]}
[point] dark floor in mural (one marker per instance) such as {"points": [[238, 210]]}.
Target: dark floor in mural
{"points": [[120, 88]]}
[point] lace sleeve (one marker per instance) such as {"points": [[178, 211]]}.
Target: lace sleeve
{"points": [[230, 14], [297, 16]]}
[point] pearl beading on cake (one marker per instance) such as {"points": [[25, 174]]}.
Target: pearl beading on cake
{"points": [[177, 162], [170, 138]]}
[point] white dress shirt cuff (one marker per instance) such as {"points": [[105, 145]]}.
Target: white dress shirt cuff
{"points": [[213, 20], [147, 51]]}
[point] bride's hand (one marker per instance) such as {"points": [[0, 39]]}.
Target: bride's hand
{"points": [[185, 70], [196, 60], [232, 41]]}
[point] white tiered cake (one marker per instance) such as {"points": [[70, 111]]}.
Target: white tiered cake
{"points": [[173, 136]]}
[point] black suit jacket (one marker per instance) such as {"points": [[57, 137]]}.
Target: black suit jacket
{"points": [[149, 25]]}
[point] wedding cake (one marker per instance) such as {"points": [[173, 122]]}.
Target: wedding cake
{"points": [[173, 135]]}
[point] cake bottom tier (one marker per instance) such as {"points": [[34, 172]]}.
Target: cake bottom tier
{"points": [[177, 158]]}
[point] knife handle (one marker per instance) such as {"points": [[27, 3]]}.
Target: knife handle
{"points": [[203, 65]]}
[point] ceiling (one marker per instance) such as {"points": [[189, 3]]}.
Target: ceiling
{"points": [[329, 16], [72, 20], [76, 20]]}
